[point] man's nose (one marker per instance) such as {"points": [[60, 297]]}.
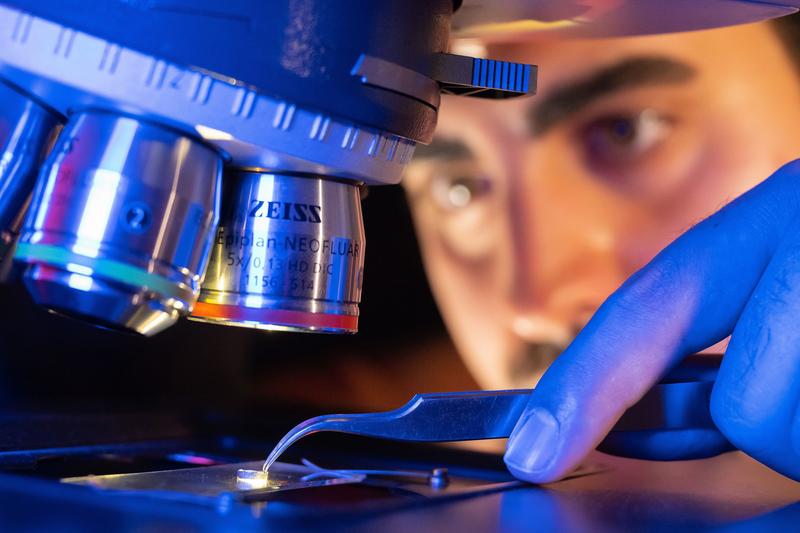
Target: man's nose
{"points": [[564, 256]]}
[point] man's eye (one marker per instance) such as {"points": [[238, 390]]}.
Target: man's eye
{"points": [[457, 192], [620, 139]]}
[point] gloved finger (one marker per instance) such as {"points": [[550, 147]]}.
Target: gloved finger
{"points": [[754, 401], [689, 438], [689, 297]]}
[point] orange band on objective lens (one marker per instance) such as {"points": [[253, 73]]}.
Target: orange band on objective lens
{"points": [[279, 317]]}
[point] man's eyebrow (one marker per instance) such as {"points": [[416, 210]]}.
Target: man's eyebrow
{"points": [[447, 149], [626, 74]]}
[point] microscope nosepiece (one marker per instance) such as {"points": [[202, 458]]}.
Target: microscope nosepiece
{"points": [[288, 255], [121, 223]]}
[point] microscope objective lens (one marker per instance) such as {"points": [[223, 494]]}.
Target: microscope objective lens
{"points": [[121, 222], [288, 255], [26, 129]]}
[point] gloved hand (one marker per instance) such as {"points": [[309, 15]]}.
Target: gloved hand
{"points": [[736, 273]]}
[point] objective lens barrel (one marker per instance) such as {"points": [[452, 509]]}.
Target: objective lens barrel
{"points": [[121, 223], [288, 255], [26, 128]]}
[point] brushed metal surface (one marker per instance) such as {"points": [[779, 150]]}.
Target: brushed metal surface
{"points": [[288, 254], [26, 128], [121, 222]]}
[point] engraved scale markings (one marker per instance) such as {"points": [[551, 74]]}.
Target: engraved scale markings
{"points": [[243, 103], [109, 61], [319, 129], [350, 137], [63, 47], [283, 116], [157, 74], [60, 54], [22, 28], [392, 149], [200, 89]]}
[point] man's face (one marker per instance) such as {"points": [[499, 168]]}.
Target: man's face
{"points": [[531, 211]]}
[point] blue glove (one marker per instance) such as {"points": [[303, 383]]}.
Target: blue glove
{"points": [[736, 273]]}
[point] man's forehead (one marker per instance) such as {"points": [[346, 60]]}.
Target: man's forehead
{"points": [[561, 60], [562, 57], [574, 73], [570, 94]]}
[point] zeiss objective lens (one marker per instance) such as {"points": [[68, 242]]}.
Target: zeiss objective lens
{"points": [[121, 223], [25, 132], [289, 254]]}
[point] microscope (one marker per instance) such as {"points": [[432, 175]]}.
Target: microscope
{"points": [[194, 158], [207, 159]]}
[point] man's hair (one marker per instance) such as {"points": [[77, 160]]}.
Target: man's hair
{"points": [[788, 29]]}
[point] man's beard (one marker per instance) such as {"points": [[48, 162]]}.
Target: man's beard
{"points": [[532, 362]]}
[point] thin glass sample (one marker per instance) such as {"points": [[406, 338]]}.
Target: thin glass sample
{"points": [[212, 481]]}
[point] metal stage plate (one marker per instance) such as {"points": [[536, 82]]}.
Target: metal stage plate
{"points": [[220, 485], [209, 483]]}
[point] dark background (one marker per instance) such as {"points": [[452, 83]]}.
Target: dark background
{"points": [[53, 362]]}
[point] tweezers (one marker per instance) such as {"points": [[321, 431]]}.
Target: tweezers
{"points": [[478, 415]]}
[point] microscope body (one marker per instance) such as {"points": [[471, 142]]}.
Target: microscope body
{"points": [[206, 159]]}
